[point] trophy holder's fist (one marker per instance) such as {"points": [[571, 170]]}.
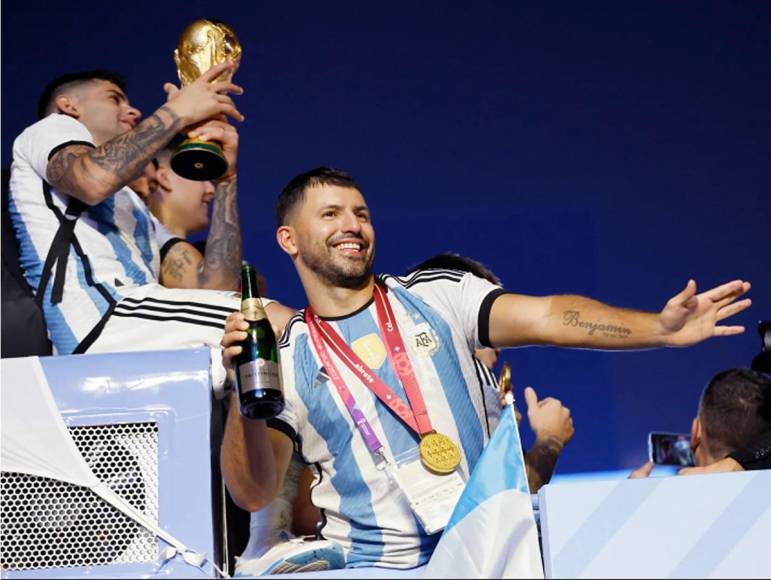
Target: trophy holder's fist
{"points": [[202, 45]]}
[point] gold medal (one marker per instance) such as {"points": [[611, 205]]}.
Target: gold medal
{"points": [[439, 454]]}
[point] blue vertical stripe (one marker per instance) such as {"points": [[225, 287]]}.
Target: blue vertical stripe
{"points": [[401, 439], [448, 366], [29, 260], [62, 336], [325, 417], [104, 216], [142, 236]]}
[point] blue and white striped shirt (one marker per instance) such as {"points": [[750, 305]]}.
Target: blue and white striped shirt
{"points": [[442, 316], [116, 242]]}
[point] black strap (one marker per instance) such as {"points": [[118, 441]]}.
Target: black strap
{"points": [[59, 252]]}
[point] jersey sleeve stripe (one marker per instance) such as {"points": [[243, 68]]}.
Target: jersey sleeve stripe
{"points": [[168, 245], [284, 340], [219, 325], [126, 309], [201, 305], [58, 148], [484, 315]]}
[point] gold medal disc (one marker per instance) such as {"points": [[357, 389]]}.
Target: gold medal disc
{"points": [[439, 454]]}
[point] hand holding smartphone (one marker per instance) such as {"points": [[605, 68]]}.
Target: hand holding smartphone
{"points": [[670, 449]]}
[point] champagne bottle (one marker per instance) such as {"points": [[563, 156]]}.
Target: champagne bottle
{"points": [[257, 370]]}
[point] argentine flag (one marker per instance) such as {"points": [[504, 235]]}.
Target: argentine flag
{"points": [[492, 532]]}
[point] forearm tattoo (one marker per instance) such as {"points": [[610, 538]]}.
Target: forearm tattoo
{"points": [[113, 164], [127, 155], [222, 259], [540, 462], [572, 318]]}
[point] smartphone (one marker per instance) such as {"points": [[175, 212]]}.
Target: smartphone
{"points": [[670, 449]]}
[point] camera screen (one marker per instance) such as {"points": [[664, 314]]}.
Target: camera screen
{"points": [[670, 449]]}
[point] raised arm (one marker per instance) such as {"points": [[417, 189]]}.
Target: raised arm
{"points": [[575, 321], [219, 268], [93, 174], [254, 457]]}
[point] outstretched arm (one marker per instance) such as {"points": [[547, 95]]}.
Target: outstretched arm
{"points": [[574, 321], [93, 174]]}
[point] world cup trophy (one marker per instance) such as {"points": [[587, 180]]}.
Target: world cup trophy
{"points": [[504, 384], [202, 45]]}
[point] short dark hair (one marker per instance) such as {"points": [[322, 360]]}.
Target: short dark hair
{"points": [[735, 408], [168, 149], [450, 261], [294, 192], [70, 80]]}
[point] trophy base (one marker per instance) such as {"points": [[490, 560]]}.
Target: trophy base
{"points": [[199, 160]]}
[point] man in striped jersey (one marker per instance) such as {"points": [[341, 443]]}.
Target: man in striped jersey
{"points": [[336, 357], [107, 274]]}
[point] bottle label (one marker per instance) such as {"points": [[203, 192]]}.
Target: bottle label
{"points": [[258, 374], [252, 309]]}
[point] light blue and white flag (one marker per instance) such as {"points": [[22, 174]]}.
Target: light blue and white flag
{"points": [[492, 532]]}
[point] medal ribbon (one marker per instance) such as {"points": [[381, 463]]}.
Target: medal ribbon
{"points": [[373, 443], [416, 418]]}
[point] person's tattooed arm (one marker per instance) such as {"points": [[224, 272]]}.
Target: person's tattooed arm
{"points": [[220, 266], [93, 174]]}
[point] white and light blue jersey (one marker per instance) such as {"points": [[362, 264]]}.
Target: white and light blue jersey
{"points": [[442, 316], [116, 243]]}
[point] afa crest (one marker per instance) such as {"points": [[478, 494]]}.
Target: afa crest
{"points": [[423, 340]]}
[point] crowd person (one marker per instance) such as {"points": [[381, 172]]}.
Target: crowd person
{"points": [[734, 412], [549, 419], [355, 324], [109, 277]]}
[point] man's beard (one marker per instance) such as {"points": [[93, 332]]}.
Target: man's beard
{"points": [[352, 275]]}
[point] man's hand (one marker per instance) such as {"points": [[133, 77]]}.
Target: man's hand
{"points": [[689, 318], [723, 466], [549, 419], [235, 333], [236, 326], [642, 472], [204, 99], [224, 133]]}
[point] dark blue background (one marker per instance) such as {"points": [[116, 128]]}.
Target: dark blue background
{"points": [[603, 148]]}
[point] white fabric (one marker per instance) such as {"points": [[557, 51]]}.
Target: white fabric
{"points": [[153, 317], [36, 441], [437, 313]]}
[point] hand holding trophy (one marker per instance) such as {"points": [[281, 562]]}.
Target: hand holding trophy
{"points": [[202, 45]]}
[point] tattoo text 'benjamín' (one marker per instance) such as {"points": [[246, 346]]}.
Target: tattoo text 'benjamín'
{"points": [[573, 318]]}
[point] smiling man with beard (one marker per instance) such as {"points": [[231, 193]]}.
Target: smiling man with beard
{"points": [[378, 372]]}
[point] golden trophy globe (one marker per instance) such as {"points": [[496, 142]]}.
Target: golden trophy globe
{"points": [[202, 45]]}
